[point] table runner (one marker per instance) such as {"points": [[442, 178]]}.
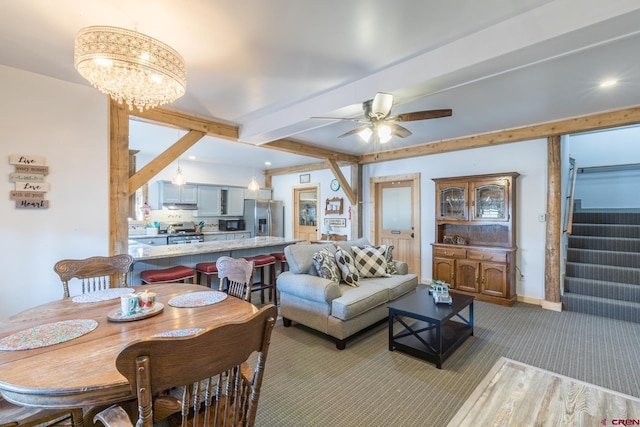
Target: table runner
{"points": [[47, 334], [104, 295], [197, 299]]}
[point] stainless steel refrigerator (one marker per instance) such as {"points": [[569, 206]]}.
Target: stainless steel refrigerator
{"points": [[264, 217]]}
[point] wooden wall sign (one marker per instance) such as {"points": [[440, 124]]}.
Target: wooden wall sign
{"points": [[30, 188]]}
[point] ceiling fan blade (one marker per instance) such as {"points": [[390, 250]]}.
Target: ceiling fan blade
{"points": [[423, 115], [354, 131], [342, 118], [397, 130], [381, 105]]}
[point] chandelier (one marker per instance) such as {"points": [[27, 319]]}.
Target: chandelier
{"points": [[129, 66]]}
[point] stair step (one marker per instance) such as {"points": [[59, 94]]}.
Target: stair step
{"points": [[602, 289], [631, 231], [602, 217], [603, 272], [604, 243], [603, 307], [611, 258]]}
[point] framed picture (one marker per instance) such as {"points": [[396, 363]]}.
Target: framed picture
{"points": [[336, 222], [305, 178]]}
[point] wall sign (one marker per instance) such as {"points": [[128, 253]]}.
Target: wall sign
{"points": [[28, 178]]}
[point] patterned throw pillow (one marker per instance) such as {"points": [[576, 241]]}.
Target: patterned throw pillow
{"points": [[392, 268], [347, 267], [326, 265], [371, 261]]}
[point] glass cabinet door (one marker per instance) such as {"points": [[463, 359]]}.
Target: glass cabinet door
{"points": [[490, 201], [452, 201]]}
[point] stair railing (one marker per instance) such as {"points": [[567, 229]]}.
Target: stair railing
{"points": [[568, 219]]}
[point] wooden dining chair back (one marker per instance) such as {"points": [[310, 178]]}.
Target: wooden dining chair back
{"points": [[95, 273], [236, 276], [22, 416], [219, 388]]}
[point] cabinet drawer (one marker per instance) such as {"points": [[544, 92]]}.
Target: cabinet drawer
{"points": [[488, 256], [450, 252]]}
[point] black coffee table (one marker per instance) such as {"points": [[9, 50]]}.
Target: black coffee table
{"points": [[429, 332]]}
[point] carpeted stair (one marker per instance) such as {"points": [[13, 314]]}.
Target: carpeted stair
{"points": [[603, 265]]}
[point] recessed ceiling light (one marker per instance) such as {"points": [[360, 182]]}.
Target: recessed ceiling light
{"points": [[192, 157], [608, 83], [268, 163]]}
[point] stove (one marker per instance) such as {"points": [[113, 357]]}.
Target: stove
{"points": [[181, 233]]}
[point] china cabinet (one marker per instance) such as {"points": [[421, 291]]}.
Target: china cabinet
{"points": [[475, 244]]}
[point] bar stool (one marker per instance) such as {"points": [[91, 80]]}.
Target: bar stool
{"points": [[261, 262], [208, 269], [171, 274], [282, 260]]}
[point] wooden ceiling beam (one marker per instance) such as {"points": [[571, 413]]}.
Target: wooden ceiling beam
{"points": [[346, 187], [610, 119], [301, 149], [163, 160], [188, 121]]}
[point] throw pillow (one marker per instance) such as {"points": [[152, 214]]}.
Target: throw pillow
{"points": [[392, 268], [371, 261], [347, 267], [326, 265]]}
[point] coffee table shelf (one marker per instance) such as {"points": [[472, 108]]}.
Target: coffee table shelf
{"points": [[429, 331]]}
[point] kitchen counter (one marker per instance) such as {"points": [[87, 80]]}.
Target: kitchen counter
{"points": [[154, 257]]}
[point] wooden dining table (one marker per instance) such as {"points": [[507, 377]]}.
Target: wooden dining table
{"points": [[81, 372]]}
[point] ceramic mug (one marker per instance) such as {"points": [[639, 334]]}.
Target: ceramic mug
{"points": [[147, 299], [129, 304]]}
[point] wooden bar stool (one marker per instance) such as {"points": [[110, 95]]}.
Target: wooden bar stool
{"points": [[208, 269], [261, 262], [171, 274], [282, 260]]}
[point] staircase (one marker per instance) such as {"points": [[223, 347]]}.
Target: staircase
{"points": [[603, 264]]}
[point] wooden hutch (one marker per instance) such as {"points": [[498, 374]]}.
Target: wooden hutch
{"points": [[475, 243]]}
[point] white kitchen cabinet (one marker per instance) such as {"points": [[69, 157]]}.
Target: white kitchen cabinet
{"points": [[235, 206], [262, 194], [177, 194], [147, 240], [208, 200], [242, 235], [214, 237]]}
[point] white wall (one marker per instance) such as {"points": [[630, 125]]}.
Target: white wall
{"points": [[611, 147], [67, 125]]}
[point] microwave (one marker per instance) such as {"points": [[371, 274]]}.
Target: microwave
{"points": [[231, 224]]}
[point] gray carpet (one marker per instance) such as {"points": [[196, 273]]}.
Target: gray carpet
{"points": [[310, 383]]}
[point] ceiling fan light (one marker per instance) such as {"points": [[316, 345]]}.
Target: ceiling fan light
{"points": [[365, 134], [381, 106], [384, 133]]}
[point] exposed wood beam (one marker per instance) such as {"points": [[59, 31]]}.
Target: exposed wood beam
{"points": [[346, 186], [188, 121], [309, 167], [299, 148], [163, 160], [553, 238], [617, 118], [118, 178]]}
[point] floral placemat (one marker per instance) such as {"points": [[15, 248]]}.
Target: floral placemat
{"points": [[178, 333], [48, 334], [198, 299], [104, 295]]}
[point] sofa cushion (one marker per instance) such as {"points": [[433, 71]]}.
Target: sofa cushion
{"points": [[391, 265], [325, 263], [355, 301], [371, 261], [395, 285], [348, 244], [347, 268], [300, 257]]}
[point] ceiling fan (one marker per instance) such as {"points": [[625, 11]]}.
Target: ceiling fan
{"points": [[379, 123]]}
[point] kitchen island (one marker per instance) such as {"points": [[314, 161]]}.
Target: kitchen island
{"points": [[155, 257]]}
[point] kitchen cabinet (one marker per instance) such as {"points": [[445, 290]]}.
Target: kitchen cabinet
{"points": [[214, 237], [208, 200], [243, 235], [234, 201], [178, 194], [147, 240], [262, 194], [475, 246]]}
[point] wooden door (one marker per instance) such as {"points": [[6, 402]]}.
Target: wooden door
{"points": [[305, 225], [396, 216]]}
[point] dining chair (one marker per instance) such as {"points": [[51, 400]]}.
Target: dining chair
{"points": [[96, 273], [236, 276], [22, 416], [217, 387]]}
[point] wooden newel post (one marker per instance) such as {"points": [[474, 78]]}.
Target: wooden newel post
{"points": [[553, 234]]}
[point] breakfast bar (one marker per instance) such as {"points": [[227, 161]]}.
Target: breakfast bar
{"points": [[157, 257]]}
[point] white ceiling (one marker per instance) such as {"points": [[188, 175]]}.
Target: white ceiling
{"points": [[268, 66]]}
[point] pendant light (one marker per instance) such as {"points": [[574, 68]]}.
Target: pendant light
{"points": [[253, 185], [179, 179]]}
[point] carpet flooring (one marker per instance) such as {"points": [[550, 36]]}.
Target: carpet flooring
{"points": [[310, 383]]}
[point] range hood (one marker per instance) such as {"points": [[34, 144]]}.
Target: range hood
{"points": [[183, 206]]}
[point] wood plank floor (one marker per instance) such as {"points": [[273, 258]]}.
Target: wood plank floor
{"points": [[516, 394]]}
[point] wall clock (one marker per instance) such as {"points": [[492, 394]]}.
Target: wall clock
{"points": [[335, 185]]}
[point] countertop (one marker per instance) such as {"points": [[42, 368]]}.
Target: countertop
{"points": [[144, 252], [145, 236]]}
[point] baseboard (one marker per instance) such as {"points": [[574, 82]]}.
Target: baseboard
{"points": [[528, 300], [553, 306]]}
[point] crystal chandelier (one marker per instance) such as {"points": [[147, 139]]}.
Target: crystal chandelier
{"points": [[130, 66]]}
